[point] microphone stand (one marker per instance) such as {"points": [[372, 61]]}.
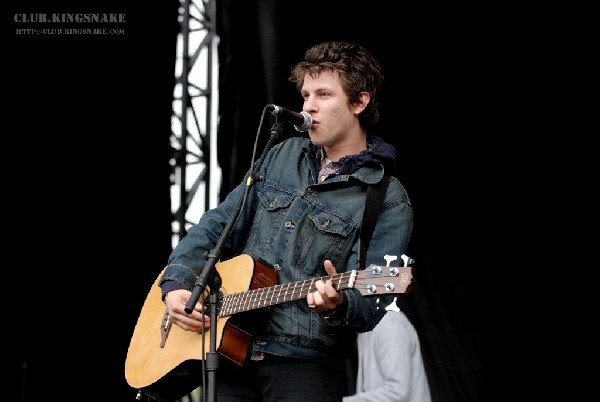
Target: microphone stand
{"points": [[210, 275]]}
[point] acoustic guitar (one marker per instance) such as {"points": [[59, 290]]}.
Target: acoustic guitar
{"points": [[165, 361]]}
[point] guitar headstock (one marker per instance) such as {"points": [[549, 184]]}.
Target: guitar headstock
{"points": [[378, 280]]}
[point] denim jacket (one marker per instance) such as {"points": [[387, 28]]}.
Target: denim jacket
{"points": [[293, 223]]}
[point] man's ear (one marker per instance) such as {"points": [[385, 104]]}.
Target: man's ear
{"points": [[364, 100]]}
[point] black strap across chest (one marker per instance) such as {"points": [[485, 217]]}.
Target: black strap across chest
{"points": [[373, 206]]}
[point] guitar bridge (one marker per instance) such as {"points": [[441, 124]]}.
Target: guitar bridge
{"points": [[165, 326]]}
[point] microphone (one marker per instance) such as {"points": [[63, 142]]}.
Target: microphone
{"points": [[301, 121]]}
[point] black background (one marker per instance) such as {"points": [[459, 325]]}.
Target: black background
{"points": [[86, 189]]}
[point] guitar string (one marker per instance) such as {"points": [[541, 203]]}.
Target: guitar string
{"points": [[263, 297]]}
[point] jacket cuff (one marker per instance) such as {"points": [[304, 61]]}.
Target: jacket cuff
{"points": [[169, 285], [337, 316]]}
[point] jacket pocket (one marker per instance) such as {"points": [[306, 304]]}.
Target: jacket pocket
{"points": [[328, 223], [327, 237], [273, 198]]}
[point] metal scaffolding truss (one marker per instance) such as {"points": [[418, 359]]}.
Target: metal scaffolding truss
{"points": [[192, 120]]}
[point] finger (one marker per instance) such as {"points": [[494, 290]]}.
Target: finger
{"points": [[320, 286], [329, 267], [329, 290], [200, 307], [325, 290], [310, 300], [317, 299], [191, 322]]}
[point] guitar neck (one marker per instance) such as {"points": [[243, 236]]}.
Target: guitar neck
{"points": [[272, 295]]}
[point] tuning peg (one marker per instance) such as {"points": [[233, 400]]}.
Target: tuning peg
{"points": [[407, 260], [389, 259]]}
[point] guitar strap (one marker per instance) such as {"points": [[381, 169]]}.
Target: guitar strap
{"points": [[373, 206]]}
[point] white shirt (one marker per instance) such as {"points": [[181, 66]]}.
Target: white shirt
{"points": [[390, 365]]}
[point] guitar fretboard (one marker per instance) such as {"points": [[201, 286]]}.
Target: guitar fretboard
{"points": [[269, 296]]}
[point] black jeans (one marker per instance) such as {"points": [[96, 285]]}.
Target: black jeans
{"points": [[279, 379]]}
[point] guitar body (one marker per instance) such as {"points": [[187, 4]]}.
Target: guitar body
{"points": [[175, 370]]}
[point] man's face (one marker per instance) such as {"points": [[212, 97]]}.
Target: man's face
{"points": [[327, 103]]}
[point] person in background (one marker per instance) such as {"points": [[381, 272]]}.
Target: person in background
{"points": [[303, 218], [390, 364]]}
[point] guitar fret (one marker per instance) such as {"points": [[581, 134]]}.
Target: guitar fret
{"points": [[288, 295], [240, 299], [224, 307], [263, 292], [252, 299], [256, 298]]}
